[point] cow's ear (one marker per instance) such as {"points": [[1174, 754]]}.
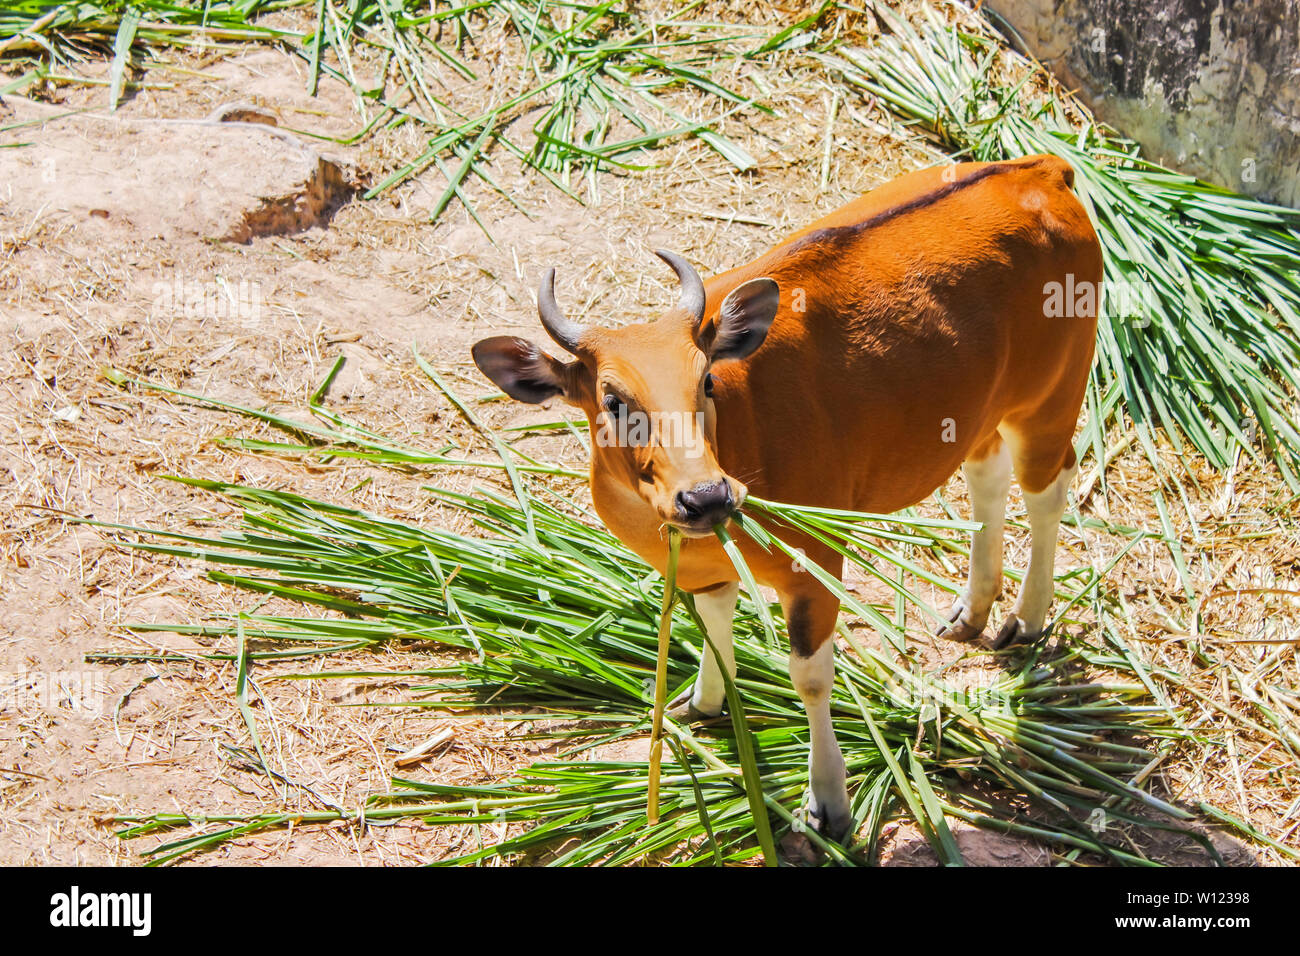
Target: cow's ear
{"points": [[521, 369], [743, 320]]}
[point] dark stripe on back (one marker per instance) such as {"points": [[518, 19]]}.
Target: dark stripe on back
{"points": [[837, 235]]}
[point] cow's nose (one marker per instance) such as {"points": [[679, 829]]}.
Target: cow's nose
{"points": [[706, 504]]}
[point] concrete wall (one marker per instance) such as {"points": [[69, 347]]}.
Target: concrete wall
{"points": [[1208, 87]]}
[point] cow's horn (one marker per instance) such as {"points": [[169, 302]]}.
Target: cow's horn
{"points": [[565, 331], [692, 301]]}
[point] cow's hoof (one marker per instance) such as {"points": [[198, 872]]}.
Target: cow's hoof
{"points": [[956, 629], [1013, 632], [836, 826], [796, 849], [682, 709]]}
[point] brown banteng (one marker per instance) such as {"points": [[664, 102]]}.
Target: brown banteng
{"points": [[855, 366]]}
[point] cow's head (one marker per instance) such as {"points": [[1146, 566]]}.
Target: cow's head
{"points": [[646, 390]]}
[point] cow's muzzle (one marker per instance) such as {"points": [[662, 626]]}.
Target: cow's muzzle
{"points": [[708, 503]]}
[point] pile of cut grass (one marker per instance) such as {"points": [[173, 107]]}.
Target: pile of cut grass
{"points": [[555, 622]]}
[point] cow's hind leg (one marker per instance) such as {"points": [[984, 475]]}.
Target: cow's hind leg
{"points": [[988, 479], [1045, 478]]}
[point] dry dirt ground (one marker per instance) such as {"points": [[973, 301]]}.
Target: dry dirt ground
{"points": [[103, 218]]}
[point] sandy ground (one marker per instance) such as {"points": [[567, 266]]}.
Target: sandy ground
{"points": [[84, 283]]}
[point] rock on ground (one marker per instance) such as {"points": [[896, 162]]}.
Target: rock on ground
{"points": [[213, 179]]}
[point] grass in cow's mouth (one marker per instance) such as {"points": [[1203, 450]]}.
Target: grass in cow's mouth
{"points": [[555, 623]]}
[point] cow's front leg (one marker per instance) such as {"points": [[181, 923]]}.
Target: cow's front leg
{"points": [[810, 621], [717, 609]]}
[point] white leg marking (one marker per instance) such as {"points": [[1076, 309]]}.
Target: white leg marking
{"points": [[1045, 510], [812, 678], [988, 482], [717, 609]]}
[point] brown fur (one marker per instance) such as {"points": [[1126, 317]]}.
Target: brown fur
{"points": [[924, 313]]}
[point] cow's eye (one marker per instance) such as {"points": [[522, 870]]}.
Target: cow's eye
{"points": [[708, 386], [614, 405]]}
